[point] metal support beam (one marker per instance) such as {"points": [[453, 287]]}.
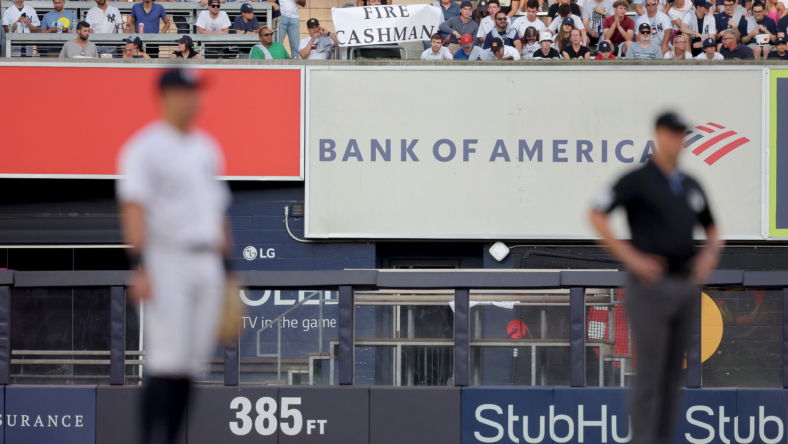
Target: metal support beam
{"points": [[785, 337], [232, 362], [577, 337], [117, 336], [5, 335], [347, 326], [693, 350], [462, 337]]}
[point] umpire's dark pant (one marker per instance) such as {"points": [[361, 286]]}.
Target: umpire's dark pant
{"points": [[662, 316]]}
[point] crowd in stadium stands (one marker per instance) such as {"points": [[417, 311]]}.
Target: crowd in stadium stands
{"points": [[496, 29]]}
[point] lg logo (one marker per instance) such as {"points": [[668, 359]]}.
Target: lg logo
{"points": [[250, 253]]}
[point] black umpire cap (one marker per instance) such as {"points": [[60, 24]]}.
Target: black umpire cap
{"points": [[179, 78], [672, 121]]}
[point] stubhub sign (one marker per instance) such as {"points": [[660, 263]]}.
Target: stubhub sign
{"points": [[594, 415]]}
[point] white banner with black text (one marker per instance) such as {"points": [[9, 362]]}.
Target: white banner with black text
{"points": [[380, 25]]}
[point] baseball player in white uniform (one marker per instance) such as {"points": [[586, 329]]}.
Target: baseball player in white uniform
{"points": [[173, 211]]}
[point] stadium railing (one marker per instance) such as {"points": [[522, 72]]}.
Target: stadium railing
{"points": [[187, 10], [458, 282], [211, 42]]}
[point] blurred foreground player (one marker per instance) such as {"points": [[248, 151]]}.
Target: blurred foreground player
{"points": [[663, 207], [173, 213]]}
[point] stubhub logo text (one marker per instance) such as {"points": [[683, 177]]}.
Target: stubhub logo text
{"points": [[599, 415]]}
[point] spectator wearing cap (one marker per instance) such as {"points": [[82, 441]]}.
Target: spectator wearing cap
{"points": [[437, 51], [566, 13], [481, 12], [575, 49], [700, 25], [268, 49], [604, 51], [679, 51], [468, 51], [758, 24], [645, 48], [594, 14], [661, 28], [499, 51], [132, 50], [529, 20], [562, 37], [709, 51], [619, 28], [214, 20], [530, 43], [503, 31], [320, 43], [780, 47], [553, 10], [487, 24], [731, 49], [730, 18], [185, 49], [546, 50], [458, 26], [246, 23], [80, 47]]}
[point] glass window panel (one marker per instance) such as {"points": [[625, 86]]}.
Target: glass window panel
{"points": [[742, 338]]}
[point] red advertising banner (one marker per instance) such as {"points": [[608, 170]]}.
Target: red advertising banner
{"points": [[71, 121]]}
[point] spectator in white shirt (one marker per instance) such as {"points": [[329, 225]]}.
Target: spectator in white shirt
{"points": [[679, 51], [213, 21], [21, 18], [499, 51], [488, 23], [320, 43], [530, 42], [708, 28], [289, 24], [661, 28], [529, 20], [676, 13], [437, 51], [105, 19], [709, 51]]}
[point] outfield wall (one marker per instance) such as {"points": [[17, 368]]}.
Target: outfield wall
{"points": [[378, 415]]}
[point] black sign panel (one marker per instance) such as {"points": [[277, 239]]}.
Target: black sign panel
{"points": [[414, 415], [233, 415], [118, 418], [319, 414]]}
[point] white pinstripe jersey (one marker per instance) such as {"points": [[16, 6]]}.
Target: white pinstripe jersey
{"points": [[104, 22]]}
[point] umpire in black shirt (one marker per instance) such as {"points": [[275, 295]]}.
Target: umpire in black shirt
{"points": [[663, 205]]}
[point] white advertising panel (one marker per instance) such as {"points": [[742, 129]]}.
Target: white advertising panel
{"points": [[500, 153], [380, 25]]}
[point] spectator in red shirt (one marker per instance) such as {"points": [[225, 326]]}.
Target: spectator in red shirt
{"points": [[604, 52], [619, 28]]}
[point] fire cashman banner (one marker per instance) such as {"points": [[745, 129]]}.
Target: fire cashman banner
{"points": [[518, 152], [376, 25], [70, 120]]}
